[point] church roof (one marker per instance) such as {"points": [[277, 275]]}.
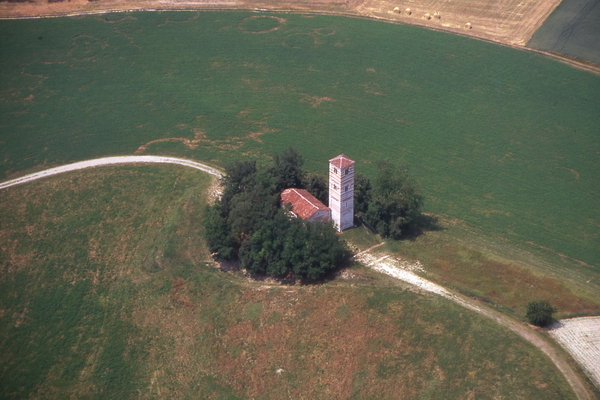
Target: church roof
{"points": [[303, 203], [341, 161]]}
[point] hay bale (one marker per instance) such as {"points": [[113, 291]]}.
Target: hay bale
{"points": [[468, 25], [437, 15], [427, 16], [397, 10], [408, 11]]}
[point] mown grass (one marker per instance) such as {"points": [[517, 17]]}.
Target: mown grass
{"points": [[83, 316], [500, 139]]}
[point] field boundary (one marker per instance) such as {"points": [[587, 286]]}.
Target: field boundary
{"points": [[582, 65]]}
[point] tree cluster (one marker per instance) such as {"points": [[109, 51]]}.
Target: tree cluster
{"points": [[247, 224], [391, 205]]}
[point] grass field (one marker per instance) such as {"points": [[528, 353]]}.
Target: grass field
{"points": [[107, 292], [501, 140]]}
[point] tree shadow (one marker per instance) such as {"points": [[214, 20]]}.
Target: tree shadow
{"points": [[421, 225]]}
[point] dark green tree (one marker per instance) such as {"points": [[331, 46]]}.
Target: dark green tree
{"points": [[287, 169], [362, 193], [218, 233], [238, 176], [540, 313], [316, 184], [395, 203]]}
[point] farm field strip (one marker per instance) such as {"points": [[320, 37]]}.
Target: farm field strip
{"points": [[111, 161], [581, 338]]}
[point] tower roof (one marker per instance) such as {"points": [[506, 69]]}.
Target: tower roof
{"points": [[341, 161], [303, 203]]}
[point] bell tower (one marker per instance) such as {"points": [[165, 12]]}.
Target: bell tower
{"points": [[341, 192]]}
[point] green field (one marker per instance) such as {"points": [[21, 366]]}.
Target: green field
{"points": [[501, 140], [107, 292]]}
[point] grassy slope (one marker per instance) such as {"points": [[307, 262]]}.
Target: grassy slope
{"points": [[106, 293], [502, 140]]}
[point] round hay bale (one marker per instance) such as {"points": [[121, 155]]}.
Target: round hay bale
{"points": [[468, 25], [408, 11], [427, 16], [397, 10], [437, 15]]}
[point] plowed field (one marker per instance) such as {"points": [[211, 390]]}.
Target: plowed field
{"points": [[581, 338]]}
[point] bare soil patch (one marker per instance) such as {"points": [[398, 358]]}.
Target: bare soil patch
{"points": [[581, 338]]}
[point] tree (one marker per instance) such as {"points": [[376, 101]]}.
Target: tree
{"points": [[394, 203], [236, 179], [540, 313], [362, 193], [287, 169], [217, 232], [317, 185]]}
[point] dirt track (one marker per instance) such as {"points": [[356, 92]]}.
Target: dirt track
{"points": [[403, 271], [111, 161]]}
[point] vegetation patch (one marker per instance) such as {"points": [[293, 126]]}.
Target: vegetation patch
{"points": [[261, 24]]}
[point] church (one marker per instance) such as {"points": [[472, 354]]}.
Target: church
{"points": [[341, 197]]}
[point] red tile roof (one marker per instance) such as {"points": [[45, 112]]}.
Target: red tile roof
{"points": [[341, 161], [303, 203]]}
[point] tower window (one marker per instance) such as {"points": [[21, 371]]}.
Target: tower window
{"points": [[346, 171], [335, 170], [346, 188]]}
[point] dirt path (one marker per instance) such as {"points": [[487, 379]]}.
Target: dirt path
{"points": [[403, 271], [112, 161]]}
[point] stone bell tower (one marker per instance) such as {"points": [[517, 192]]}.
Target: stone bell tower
{"points": [[341, 192]]}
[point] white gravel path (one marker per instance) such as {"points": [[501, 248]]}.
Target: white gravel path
{"points": [[581, 338], [111, 161], [402, 270]]}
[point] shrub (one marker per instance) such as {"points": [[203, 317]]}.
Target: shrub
{"points": [[540, 313]]}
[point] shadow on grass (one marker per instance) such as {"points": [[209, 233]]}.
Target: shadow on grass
{"points": [[421, 225]]}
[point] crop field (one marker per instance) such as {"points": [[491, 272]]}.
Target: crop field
{"points": [[571, 30], [108, 292], [501, 140]]}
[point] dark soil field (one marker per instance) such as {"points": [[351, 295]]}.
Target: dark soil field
{"points": [[571, 30]]}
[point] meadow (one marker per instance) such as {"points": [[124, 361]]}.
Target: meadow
{"points": [[108, 292], [501, 140]]}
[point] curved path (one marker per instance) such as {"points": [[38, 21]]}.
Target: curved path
{"points": [[384, 264], [111, 161], [404, 271]]}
